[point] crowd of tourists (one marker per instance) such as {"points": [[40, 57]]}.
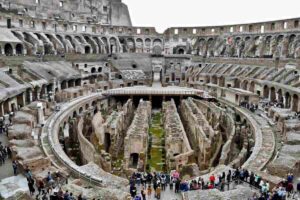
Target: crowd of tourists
{"points": [[153, 184], [250, 106]]}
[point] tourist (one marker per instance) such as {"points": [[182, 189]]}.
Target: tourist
{"points": [[143, 193], [228, 178], [212, 179], [171, 184], [30, 183], [298, 187], [222, 185], [66, 195], [290, 188], [137, 197], [252, 179], [132, 190], [149, 191], [177, 186], [15, 167], [163, 182], [158, 192], [138, 178], [8, 150], [144, 179], [28, 173], [41, 187], [71, 197], [80, 197], [49, 178]]}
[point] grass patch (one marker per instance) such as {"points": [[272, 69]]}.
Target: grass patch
{"points": [[156, 159]]}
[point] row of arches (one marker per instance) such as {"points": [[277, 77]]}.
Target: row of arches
{"points": [[287, 99], [275, 94], [46, 43], [266, 46], [9, 49]]}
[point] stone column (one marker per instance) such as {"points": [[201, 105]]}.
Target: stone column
{"points": [[1, 110], [67, 130], [23, 99], [41, 119], [45, 95], [30, 96]]}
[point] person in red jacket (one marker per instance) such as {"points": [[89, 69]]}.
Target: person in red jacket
{"points": [[212, 179]]}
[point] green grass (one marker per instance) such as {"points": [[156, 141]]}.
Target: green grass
{"points": [[156, 132]]}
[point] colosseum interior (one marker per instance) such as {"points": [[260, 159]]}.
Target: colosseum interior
{"points": [[91, 99]]}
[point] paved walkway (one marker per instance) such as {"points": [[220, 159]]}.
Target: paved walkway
{"points": [[6, 170]]}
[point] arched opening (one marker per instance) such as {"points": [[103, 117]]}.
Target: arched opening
{"points": [[78, 82], [266, 92], [8, 50], [105, 44], [87, 50], [19, 49], [107, 142], [71, 83], [80, 110], [280, 97], [63, 85], [113, 45], [295, 103], [93, 70], [181, 51], [237, 83], [139, 45], [131, 45], [28, 96], [273, 95], [245, 85], [74, 114], [252, 86], [237, 118], [134, 160], [222, 81], [214, 80], [287, 100]]}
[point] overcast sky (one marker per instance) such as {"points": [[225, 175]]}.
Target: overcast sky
{"points": [[168, 13]]}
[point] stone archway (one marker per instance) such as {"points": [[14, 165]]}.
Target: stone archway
{"points": [[279, 96], [181, 51], [266, 92], [134, 160], [273, 94], [245, 85], [252, 87], [287, 100], [295, 104], [8, 50], [87, 50], [19, 49]]}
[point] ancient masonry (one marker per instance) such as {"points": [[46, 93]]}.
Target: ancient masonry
{"points": [[83, 93]]}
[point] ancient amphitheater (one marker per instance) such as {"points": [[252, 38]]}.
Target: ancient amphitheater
{"points": [[96, 102]]}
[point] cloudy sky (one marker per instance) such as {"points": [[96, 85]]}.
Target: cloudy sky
{"points": [[167, 13]]}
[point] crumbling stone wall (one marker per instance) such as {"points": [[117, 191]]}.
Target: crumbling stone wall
{"points": [[177, 145], [136, 140], [205, 141]]}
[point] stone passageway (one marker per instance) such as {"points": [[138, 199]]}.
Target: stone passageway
{"points": [[6, 169], [156, 157]]}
